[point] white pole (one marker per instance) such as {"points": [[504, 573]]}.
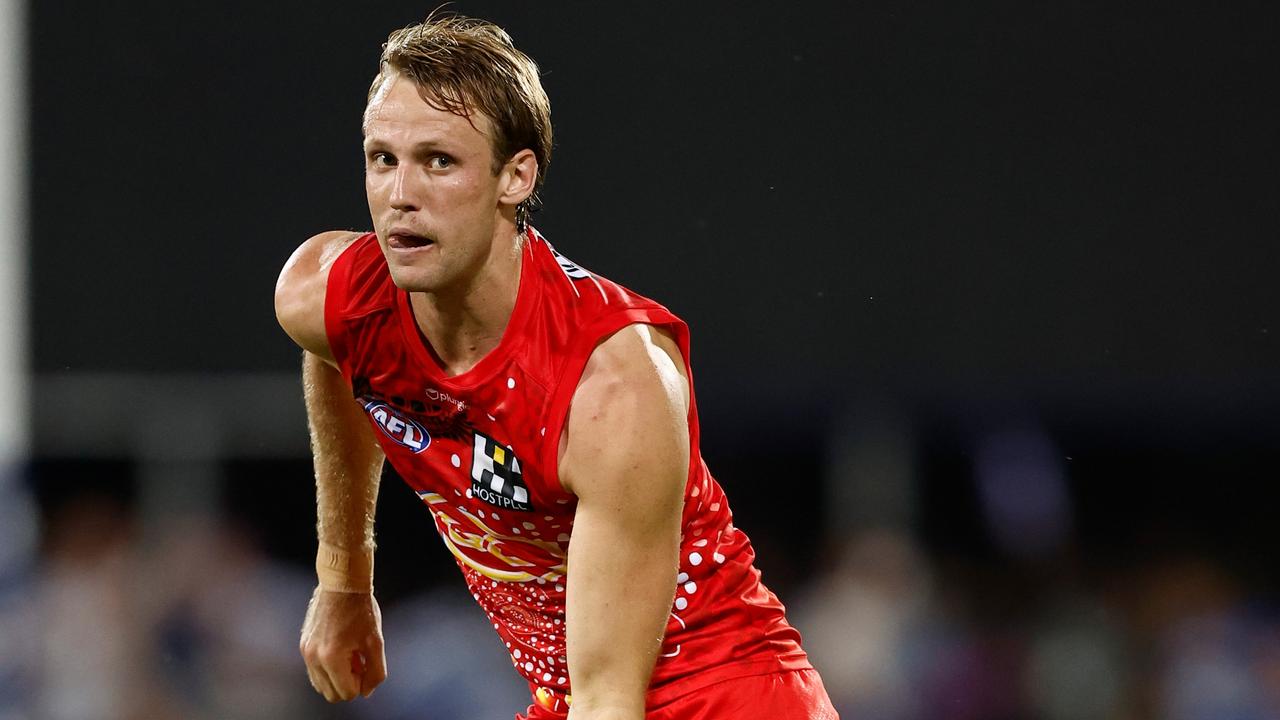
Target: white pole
{"points": [[18, 516], [17, 511], [14, 379]]}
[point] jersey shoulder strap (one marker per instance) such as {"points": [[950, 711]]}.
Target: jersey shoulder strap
{"points": [[359, 286]]}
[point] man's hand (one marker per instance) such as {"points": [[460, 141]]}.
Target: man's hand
{"points": [[342, 644]]}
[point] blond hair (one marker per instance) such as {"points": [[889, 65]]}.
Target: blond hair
{"points": [[464, 65]]}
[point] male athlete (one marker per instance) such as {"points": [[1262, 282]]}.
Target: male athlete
{"points": [[544, 415]]}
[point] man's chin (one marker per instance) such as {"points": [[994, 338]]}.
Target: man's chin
{"points": [[413, 281]]}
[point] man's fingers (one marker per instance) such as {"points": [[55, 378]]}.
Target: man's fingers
{"points": [[320, 681], [358, 669], [338, 668], [336, 681], [375, 670]]}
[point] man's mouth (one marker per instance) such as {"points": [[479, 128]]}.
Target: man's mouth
{"points": [[407, 241]]}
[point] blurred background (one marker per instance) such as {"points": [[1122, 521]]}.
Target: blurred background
{"points": [[985, 320]]}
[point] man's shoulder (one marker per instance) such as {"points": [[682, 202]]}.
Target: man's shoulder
{"points": [[329, 245], [582, 294], [301, 288], [633, 389], [587, 318]]}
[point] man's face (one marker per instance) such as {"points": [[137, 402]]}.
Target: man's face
{"points": [[432, 193]]}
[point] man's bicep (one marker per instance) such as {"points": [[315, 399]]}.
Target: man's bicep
{"points": [[634, 475], [627, 433], [627, 450]]}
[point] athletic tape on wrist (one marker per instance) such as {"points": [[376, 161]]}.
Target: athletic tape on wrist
{"points": [[339, 570]]}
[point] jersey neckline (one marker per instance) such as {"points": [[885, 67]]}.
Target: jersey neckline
{"points": [[420, 346]]}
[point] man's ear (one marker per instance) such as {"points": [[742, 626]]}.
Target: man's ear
{"points": [[518, 178]]}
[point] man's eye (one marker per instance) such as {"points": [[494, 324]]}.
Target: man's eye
{"points": [[440, 162], [381, 159]]}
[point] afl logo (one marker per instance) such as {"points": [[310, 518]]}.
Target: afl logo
{"points": [[397, 427]]}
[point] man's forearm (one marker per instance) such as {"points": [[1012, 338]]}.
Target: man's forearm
{"points": [[348, 466], [620, 591], [342, 633]]}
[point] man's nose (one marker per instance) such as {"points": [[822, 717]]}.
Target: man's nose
{"points": [[406, 190]]}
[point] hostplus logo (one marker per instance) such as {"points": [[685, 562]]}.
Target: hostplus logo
{"points": [[496, 477]]}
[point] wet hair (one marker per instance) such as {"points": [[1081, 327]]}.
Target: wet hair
{"points": [[463, 65]]}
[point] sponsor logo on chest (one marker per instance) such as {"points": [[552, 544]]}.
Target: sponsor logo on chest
{"points": [[403, 430], [496, 477]]}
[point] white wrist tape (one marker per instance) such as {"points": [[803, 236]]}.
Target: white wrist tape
{"points": [[340, 570]]}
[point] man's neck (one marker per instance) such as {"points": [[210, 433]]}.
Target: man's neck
{"points": [[464, 326]]}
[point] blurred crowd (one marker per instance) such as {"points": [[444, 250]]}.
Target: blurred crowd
{"points": [[897, 637], [191, 618], [196, 622]]}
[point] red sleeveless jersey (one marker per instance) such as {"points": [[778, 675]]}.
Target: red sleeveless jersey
{"points": [[480, 450]]}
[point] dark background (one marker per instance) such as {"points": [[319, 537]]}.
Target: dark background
{"points": [[1049, 194], [964, 217], [1045, 209]]}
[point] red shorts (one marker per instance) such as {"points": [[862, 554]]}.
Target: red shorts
{"points": [[791, 695]]}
